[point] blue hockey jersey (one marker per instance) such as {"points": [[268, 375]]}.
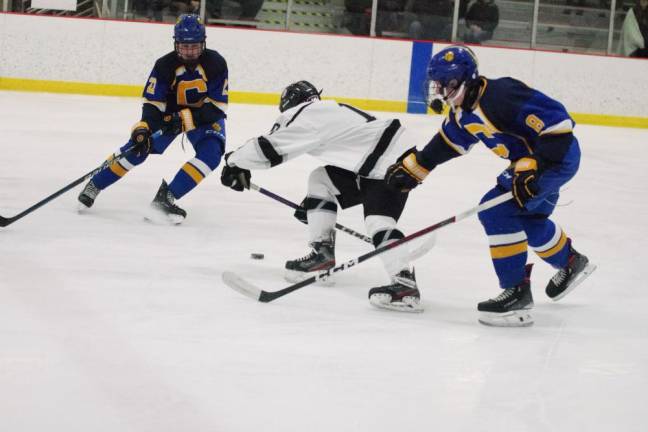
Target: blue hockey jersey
{"points": [[172, 86], [511, 119]]}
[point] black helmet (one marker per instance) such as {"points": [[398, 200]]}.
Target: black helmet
{"points": [[297, 93]]}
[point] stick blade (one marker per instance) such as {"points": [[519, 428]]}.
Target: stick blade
{"points": [[4, 222], [242, 286]]}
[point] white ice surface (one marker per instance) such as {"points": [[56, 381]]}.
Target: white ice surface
{"points": [[109, 323]]}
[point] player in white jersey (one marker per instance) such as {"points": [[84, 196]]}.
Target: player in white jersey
{"points": [[356, 149]]}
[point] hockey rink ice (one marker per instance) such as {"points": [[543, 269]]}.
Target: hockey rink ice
{"points": [[109, 323]]}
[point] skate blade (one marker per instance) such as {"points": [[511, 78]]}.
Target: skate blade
{"points": [[588, 270], [517, 318], [408, 304], [158, 217], [293, 276]]}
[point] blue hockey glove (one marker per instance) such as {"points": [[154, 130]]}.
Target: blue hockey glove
{"points": [[234, 177], [525, 177]]}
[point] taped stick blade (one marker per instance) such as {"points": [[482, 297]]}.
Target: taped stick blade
{"points": [[240, 285]]}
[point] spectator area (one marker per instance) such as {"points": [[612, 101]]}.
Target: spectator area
{"points": [[561, 27]]}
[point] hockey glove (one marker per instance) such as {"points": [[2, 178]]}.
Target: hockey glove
{"points": [[407, 173], [234, 177], [300, 213], [525, 176], [178, 122], [141, 138]]}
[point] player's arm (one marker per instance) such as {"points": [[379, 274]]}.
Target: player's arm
{"points": [[414, 166], [549, 129], [217, 100], [152, 109], [283, 143]]}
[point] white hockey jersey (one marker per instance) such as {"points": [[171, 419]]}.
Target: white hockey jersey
{"points": [[337, 134]]}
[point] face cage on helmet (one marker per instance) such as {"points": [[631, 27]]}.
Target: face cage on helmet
{"points": [[452, 92], [189, 52], [437, 90]]}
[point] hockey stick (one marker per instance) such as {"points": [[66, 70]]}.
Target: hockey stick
{"points": [[289, 203], [4, 221], [244, 287]]}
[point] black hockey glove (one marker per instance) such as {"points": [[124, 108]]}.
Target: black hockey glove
{"points": [[178, 122], [141, 138], [300, 213], [234, 177], [407, 173], [525, 177]]}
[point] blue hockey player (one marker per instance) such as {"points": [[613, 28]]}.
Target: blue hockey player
{"points": [[186, 93], [535, 133]]}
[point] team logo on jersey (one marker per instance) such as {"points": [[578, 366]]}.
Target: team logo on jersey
{"points": [[449, 56]]}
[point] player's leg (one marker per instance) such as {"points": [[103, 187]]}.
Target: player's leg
{"points": [[551, 243], [328, 188], [209, 150], [547, 239], [508, 249], [383, 207], [117, 170]]}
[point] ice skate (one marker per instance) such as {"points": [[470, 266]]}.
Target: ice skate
{"points": [[577, 270], [401, 295], [510, 308], [321, 258], [87, 196], [163, 208]]}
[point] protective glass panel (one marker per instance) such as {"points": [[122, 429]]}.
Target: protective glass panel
{"points": [[319, 16], [573, 25], [356, 17], [390, 20], [631, 29], [496, 22], [428, 20]]}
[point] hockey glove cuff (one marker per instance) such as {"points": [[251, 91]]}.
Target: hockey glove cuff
{"points": [[141, 138], [406, 174], [525, 177]]}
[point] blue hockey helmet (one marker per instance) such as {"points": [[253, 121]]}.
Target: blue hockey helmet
{"points": [[189, 35], [296, 93], [450, 71]]}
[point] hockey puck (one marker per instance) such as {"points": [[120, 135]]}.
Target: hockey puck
{"points": [[257, 256]]}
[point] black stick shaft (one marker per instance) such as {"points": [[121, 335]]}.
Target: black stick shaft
{"points": [[289, 203], [4, 221], [266, 296]]}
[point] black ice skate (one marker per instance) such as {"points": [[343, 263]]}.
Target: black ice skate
{"points": [[321, 258], [578, 268], [88, 195], [510, 308], [401, 295], [164, 208]]}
